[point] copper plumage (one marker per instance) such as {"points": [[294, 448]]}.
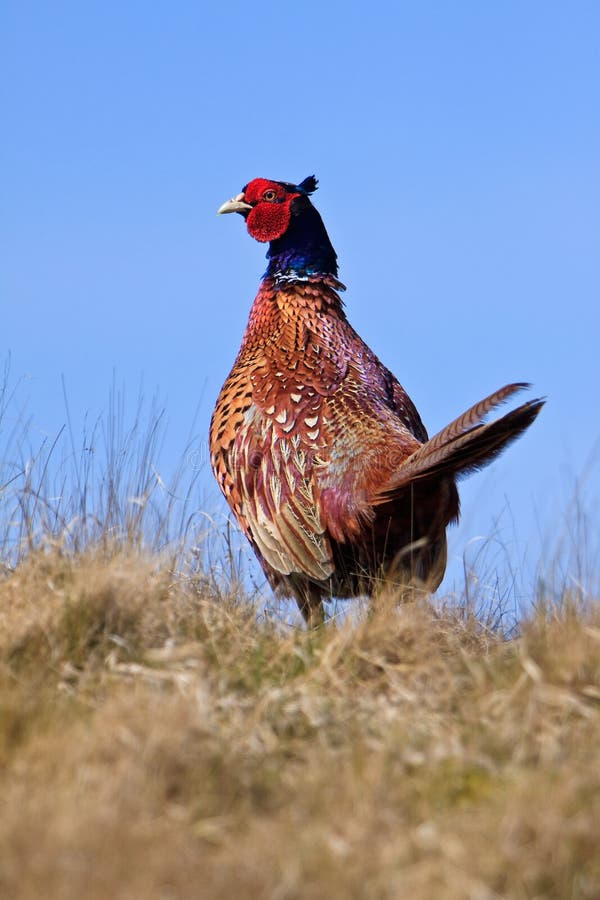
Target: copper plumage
{"points": [[318, 449]]}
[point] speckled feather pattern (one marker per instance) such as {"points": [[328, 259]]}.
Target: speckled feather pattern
{"points": [[307, 428]]}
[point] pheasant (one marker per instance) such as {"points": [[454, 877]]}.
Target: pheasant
{"points": [[319, 451]]}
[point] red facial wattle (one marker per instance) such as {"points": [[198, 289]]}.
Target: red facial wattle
{"points": [[268, 221], [270, 217]]}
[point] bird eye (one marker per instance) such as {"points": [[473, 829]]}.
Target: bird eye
{"points": [[269, 195]]}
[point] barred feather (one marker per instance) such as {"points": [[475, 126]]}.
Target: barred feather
{"points": [[464, 453], [470, 418]]}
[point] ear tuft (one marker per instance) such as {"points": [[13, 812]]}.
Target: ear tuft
{"points": [[309, 185]]}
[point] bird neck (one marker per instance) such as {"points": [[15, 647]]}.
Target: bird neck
{"points": [[303, 252], [279, 303]]}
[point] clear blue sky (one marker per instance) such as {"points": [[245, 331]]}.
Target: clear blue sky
{"points": [[457, 147]]}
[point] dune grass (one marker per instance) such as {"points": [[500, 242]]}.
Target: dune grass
{"points": [[162, 737]]}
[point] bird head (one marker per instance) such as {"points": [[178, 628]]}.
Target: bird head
{"points": [[268, 206]]}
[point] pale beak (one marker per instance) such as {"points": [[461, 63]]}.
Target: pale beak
{"points": [[236, 204]]}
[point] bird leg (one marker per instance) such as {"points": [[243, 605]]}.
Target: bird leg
{"points": [[311, 606]]}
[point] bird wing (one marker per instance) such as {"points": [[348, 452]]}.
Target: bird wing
{"points": [[279, 502]]}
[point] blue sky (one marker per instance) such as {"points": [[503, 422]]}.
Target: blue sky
{"points": [[457, 147]]}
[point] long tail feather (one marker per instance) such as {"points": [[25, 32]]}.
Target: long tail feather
{"points": [[469, 419], [458, 451]]}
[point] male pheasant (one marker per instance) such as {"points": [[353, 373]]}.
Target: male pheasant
{"points": [[319, 451]]}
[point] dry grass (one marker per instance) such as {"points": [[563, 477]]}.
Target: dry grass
{"points": [[161, 741], [157, 741]]}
